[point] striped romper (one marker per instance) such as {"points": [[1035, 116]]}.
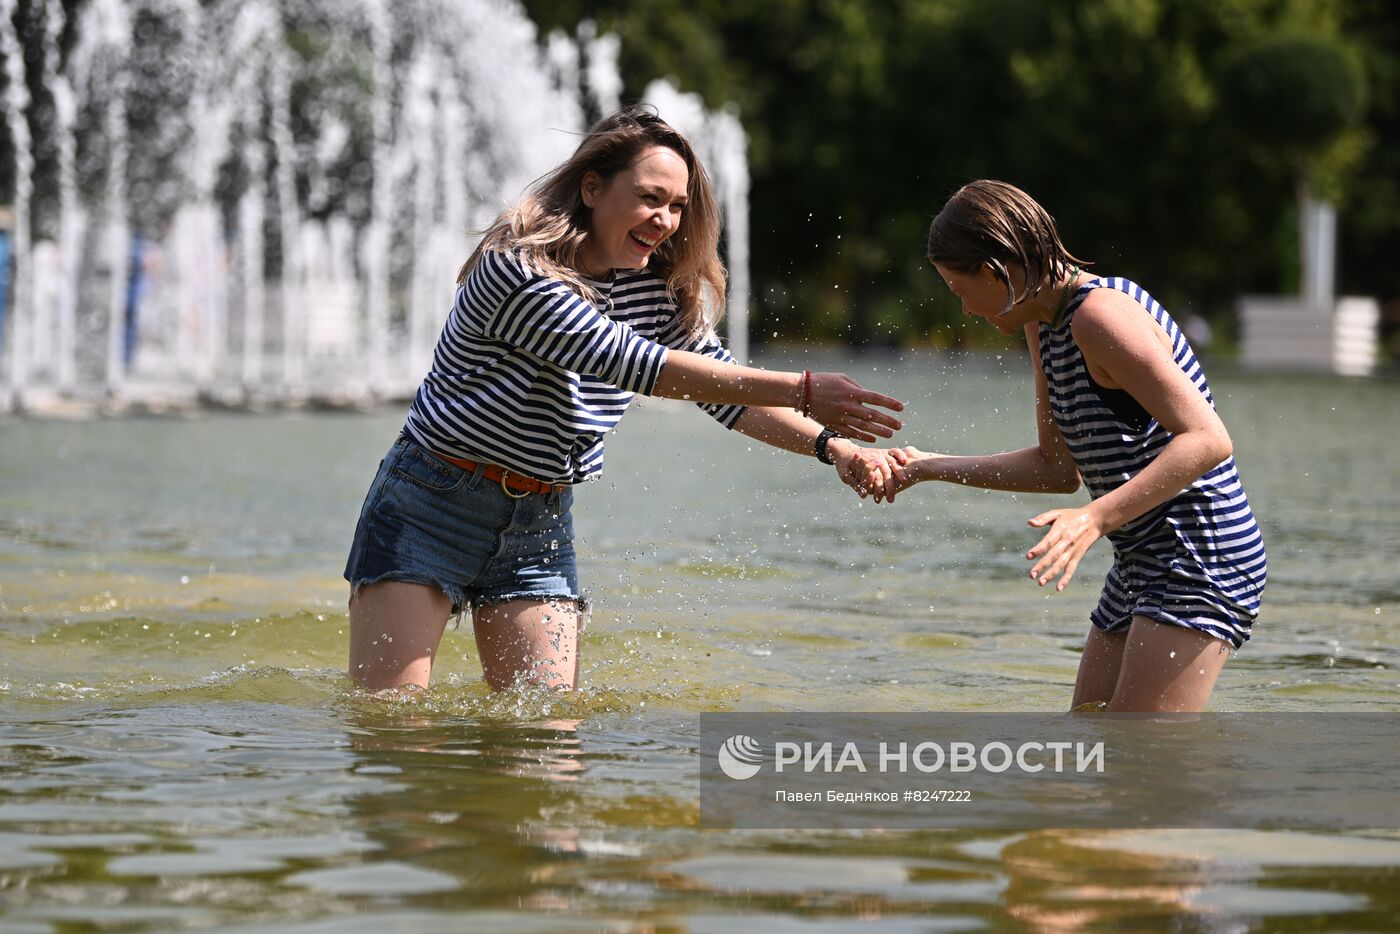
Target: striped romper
{"points": [[1198, 559]]}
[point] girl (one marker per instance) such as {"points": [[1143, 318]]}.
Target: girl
{"points": [[1122, 404], [595, 287]]}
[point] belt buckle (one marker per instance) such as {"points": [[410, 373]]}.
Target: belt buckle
{"points": [[506, 490]]}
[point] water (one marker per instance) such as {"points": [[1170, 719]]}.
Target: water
{"points": [[179, 747]]}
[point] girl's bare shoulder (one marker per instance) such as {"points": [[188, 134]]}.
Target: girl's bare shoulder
{"points": [[1112, 329], [1106, 314]]}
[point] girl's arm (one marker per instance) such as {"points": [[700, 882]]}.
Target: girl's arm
{"points": [[1045, 468], [836, 400], [864, 469], [1126, 349]]}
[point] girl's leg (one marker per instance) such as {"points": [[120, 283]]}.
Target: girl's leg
{"points": [[1167, 669], [395, 628], [1098, 667], [531, 640]]}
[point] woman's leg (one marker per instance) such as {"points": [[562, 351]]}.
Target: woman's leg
{"points": [[1098, 667], [1167, 669], [531, 640], [395, 628]]}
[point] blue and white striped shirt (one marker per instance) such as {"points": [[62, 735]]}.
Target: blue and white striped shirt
{"points": [[530, 376], [1196, 559]]}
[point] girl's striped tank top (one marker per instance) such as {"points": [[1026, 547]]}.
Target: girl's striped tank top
{"points": [[1199, 557]]}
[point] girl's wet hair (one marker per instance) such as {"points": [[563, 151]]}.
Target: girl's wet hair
{"points": [[549, 225], [998, 225]]}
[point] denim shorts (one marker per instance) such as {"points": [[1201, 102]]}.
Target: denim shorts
{"points": [[429, 522]]}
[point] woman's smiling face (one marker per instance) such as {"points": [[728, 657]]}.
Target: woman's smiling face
{"points": [[634, 211]]}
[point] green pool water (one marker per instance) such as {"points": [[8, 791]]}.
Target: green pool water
{"points": [[179, 748]]}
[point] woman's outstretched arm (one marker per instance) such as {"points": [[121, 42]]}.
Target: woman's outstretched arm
{"points": [[835, 400], [866, 470]]}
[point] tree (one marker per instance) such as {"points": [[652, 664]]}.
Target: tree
{"points": [[1118, 116]]}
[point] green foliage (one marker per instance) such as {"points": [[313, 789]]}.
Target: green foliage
{"points": [[1166, 136], [1122, 116], [1369, 234], [1296, 93]]}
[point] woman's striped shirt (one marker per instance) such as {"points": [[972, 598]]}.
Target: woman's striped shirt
{"points": [[530, 376], [1196, 560]]}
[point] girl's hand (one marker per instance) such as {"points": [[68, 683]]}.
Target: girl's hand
{"points": [[905, 455], [868, 471], [1071, 533], [912, 466], [842, 404]]}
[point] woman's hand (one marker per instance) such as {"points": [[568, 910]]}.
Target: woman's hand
{"points": [[843, 405], [1071, 533]]}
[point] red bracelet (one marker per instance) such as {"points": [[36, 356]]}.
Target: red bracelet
{"points": [[807, 393]]}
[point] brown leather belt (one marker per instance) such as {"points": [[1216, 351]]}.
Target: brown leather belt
{"points": [[508, 481]]}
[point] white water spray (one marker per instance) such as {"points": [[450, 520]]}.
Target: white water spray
{"points": [[338, 156]]}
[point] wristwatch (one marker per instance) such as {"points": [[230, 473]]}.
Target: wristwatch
{"points": [[826, 435]]}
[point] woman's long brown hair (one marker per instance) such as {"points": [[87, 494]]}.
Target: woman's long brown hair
{"points": [[549, 225]]}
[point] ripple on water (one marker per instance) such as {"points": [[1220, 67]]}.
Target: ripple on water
{"points": [[379, 878], [179, 745], [1253, 848]]}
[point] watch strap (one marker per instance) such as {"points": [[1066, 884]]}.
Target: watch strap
{"points": [[823, 438]]}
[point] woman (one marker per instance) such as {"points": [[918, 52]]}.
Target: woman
{"points": [[594, 288]]}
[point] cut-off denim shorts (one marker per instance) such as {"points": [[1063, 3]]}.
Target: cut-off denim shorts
{"points": [[427, 521]]}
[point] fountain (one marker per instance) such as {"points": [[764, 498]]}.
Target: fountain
{"points": [[264, 202]]}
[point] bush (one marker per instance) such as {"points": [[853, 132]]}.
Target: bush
{"points": [[1294, 93]]}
